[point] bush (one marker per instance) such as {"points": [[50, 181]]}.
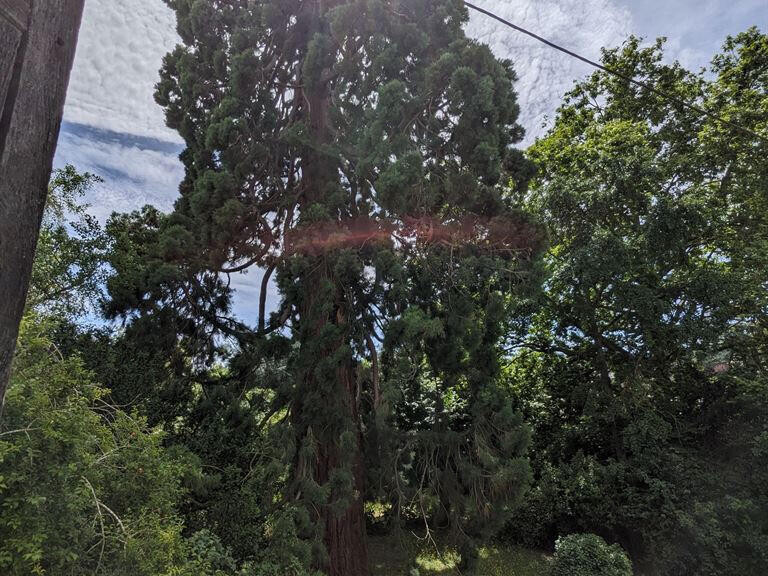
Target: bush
{"points": [[589, 555], [85, 488], [206, 556]]}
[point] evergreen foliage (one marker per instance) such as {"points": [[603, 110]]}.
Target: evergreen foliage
{"points": [[362, 151]]}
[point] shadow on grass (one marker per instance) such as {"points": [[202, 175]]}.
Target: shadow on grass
{"points": [[397, 556]]}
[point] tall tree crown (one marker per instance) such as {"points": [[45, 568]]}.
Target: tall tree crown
{"points": [[363, 150], [415, 119]]}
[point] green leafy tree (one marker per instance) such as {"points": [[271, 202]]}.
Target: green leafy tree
{"points": [[362, 151], [69, 467], [70, 461], [68, 272], [639, 368]]}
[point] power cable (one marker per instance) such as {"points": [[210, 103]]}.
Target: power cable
{"points": [[618, 74]]}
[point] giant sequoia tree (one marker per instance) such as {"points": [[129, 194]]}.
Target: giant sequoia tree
{"points": [[361, 152]]}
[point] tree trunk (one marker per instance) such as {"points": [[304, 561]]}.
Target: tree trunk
{"points": [[37, 48], [344, 535]]}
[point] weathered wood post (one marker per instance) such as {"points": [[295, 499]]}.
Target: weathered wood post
{"points": [[37, 47]]}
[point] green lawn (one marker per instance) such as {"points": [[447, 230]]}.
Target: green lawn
{"points": [[393, 556]]}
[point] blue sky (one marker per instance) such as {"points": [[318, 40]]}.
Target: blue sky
{"points": [[113, 127], [695, 28]]}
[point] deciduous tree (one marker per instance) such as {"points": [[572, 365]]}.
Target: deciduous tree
{"points": [[642, 372]]}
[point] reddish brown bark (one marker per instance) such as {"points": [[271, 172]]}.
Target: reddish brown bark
{"points": [[343, 533]]}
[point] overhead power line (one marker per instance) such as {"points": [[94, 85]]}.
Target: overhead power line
{"points": [[618, 74]]}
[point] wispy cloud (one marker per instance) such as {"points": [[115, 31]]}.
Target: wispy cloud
{"points": [[584, 26], [116, 130], [136, 171], [121, 47], [696, 29]]}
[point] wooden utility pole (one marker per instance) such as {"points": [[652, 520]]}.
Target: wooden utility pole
{"points": [[37, 48]]}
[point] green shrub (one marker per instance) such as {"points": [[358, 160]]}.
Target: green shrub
{"points": [[85, 488], [589, 555], [206, 556]]}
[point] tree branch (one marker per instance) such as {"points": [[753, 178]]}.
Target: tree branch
{"points": [[263, 296], [374, 371]]}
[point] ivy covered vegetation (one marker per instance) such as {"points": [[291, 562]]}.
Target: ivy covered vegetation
{"points": [[483, 360]]}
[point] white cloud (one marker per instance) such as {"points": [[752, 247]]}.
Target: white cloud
{"points": [[696, 29], [584, 26], [119, 54], [133, 175], [122, 44]]}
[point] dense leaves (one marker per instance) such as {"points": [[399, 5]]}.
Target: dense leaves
{"points": [[70, 465], [425, 362], [589, 555], [360, 151], [640, 369]]}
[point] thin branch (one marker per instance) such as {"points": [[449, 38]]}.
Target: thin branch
{"points": [[263, 296], [374, 371], [243, 266], [19, 431], [280, 323], [100, 516]]}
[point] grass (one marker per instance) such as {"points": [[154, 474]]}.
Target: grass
{"points": [[394, 556]]}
